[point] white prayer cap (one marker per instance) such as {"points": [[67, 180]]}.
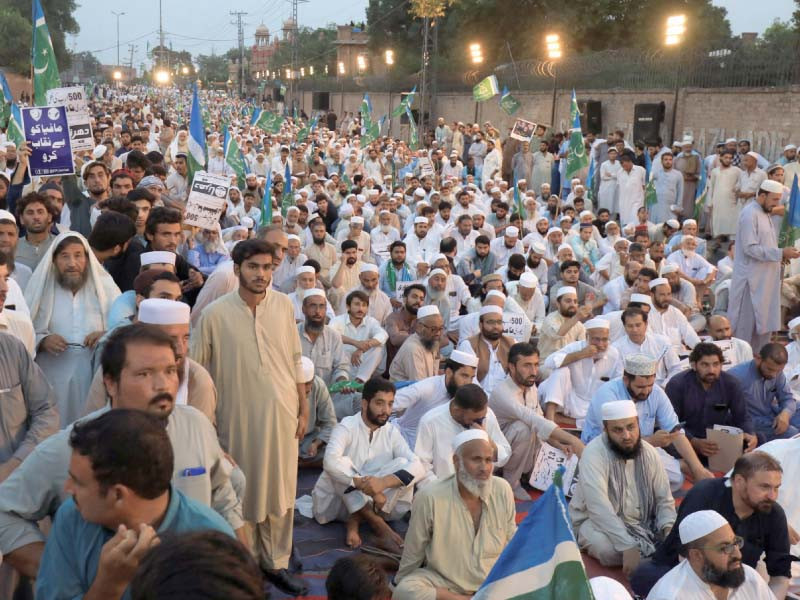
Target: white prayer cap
{"points": [[794, 323], [597, 323], [669, 268], [491, 309], [538, 247], [419, 192], [372, 192], [554, 230], [640, 364], [157, 257], [7, 216], [629, 228], [605, 588], [522, 181], [99, 151], [773, 187], [297, 197], [160, 311], [788, 147], [693, 222], [528, 280], [464, 358], [385, 212], [618, 409], [368, 268], [427, 311], [314, 291], [699, 524], [441, 272], [293, 208], [293, 236], [752, 154], [346, 210], [586, 213], [567, 289], [687, 141], [673, 223], [565, 218], [675, 143], [611, 223], [420, 220], [438, 257], [356, 220], [361, 198], [306, 370], [493, 293], [314, 215], [575, 180], [248, 223], [659, 281], [730, 141], [304, 269], [564, 247], [511, 231], [468, 436], [642, 299]]}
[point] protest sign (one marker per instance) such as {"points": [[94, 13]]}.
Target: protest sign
{"points": [[425, 167], [514, 325], [78, 118], [523, 130], [207, 196], [46, 128], [548, 460]]}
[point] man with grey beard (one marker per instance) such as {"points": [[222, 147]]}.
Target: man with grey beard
{"points": [[436, 294], [441, 538]]}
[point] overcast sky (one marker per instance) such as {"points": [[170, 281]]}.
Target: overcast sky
{"points": [[202, 25]]}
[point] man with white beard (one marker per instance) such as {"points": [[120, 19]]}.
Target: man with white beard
{"points": [[440, 537]]}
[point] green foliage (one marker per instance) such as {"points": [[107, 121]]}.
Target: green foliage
{"points": [[314, 47], [15, 31], [60, 21], [212, 67]]}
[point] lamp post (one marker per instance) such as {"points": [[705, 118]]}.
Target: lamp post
{"points": [[676, 27], [341, 72], [553, 42], [388, 57], [118, 15], [476, 57]]}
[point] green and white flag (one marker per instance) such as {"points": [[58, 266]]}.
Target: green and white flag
{"points": [[45, 69], [269, 121], [404, 103], [486, 89], [577, 158], [14, 132], [414, 138], [233, 157], [508, 103]]}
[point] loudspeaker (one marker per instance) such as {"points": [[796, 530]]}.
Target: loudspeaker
{"points": [[647, 119], [591, 116], [320, 100]]}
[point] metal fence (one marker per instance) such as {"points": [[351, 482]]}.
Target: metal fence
{"points": [[747, 66]]}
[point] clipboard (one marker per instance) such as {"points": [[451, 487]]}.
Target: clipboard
{"points": [[730, 445]]}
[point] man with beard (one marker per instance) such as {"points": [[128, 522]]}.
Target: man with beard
{"points": [[9, 239], [395, 271], [638, 339], [163, 231], [530, 299], [416, 400], [563, 325], [248, 342], [421, 244], [69, 296], [747, 502], [209, 251], [321, 343], [436, 294], [736, 351], [469, 409], [14, 322], [622, 506], [572, 276], [705, 396], [458, 552], [490, 346], [576, 372], [478, 262], [615, 288], [464, 235], [516, 405], [78, 205], [344, 275], [36, 216], [713, 567], [418, 357], [504, 247], [369, 471], [305, 279], [658, 421], [379, 305], [401, 323], [321, 250], [36, 488], [667, 320], [363, 338], [684, 296]]}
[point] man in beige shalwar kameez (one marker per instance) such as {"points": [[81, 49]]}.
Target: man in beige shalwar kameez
{"points": [[249, 343]]}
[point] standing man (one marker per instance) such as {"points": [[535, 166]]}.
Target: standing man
{"points": [[755, 299], [721, 197], [631, 180], [249, 343], [669, 189]]}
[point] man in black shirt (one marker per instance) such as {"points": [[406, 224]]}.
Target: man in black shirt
{"points": [[748, 501]]}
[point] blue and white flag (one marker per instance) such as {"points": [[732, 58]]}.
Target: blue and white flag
{"points": [[542, 560]]}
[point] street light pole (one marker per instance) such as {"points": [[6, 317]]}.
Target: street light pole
{"points": [[476, 56], [553, 42], [676, 27], [389, 58], [118, 15]]}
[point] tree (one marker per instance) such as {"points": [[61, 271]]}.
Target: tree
{"points": [[314, 47], [15, 31], [779, 35], [60, 22], [212, 67], [174, 58]]}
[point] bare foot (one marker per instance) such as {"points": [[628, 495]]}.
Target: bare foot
{"points": [[352, 539], [382, 529], [378, 501]]}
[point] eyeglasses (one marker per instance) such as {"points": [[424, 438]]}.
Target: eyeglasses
{"points": [[737, 542], [433, 329]]}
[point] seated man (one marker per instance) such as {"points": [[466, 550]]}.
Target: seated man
{"points": [[320, 342], [414, 401], [515, 403], [402, 323], [719, 328], [321, 417], [563, 325], [622, 505], [419, 357], [684, 296], [713, 564], [694, 268], [306, 278], [705, 396], [469, 409], [363, 338], [457, 549], [357, 577], [770, 402], [369, 470], [119, 481], [639, 339], [638, 384], [490, 346], [577, 371], [668, 321], [747, 502]]}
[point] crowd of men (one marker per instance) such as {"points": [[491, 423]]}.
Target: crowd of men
{"points": [[413, 325]]}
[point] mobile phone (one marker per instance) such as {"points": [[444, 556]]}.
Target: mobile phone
{"points": [[679, 426]]}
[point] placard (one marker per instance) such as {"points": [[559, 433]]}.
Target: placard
{"points": [[515, 326], [523, 130], [548, 459], [425, 167], [46, 128], [400, 287], [207, 195], [78, 117], [730, 441]]}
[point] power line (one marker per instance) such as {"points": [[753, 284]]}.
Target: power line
{"points": [[239, 15]]}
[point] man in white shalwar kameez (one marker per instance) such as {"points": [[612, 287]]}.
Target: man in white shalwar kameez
{"points": [[631, 181], [669, 189], [721, 197], [712, 567], [607, 193], [754, 306], [369, 471], [69, 295]]}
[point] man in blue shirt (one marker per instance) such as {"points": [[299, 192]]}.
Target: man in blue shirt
{"points": [[638, 384], [705, 396], [122, 501], [769, 400]]}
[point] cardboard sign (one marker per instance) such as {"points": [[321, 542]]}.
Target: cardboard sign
{"points": [[400, 287], [78, 117], [425, 167], [729, 440], [47, 130], [515, 326], [523, 130], [207, 195], [548, 459]]}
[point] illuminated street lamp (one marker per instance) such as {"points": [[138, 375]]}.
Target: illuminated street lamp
{"points": [[673, 36], [476, 54], [341, 68], [311, 70], [117, 75], [389, 57], [162, 76], [302, 72], [361, 61], [185, 70], [553, 44]]}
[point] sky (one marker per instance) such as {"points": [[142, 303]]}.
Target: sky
{"points": [[201, 26]]}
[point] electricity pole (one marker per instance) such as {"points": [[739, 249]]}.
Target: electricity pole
{"points": [[118, 15], [160, 35], [240, 24], [294, 41]]}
